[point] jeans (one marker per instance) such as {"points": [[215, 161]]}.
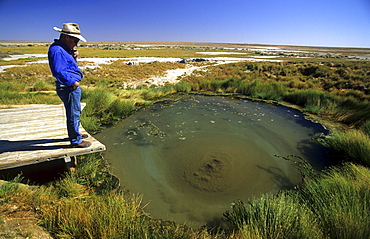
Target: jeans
{"points": [[71, 99]]}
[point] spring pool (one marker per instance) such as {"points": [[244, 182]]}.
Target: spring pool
{"points": [[192, 158]]}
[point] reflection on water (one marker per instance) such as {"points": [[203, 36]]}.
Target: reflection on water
{"points": [[192, 158]]}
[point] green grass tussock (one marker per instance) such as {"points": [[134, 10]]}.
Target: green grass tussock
{"points": [[259, 90], [349, 111], [351, 145], [88, 204], [183, 87], [109, 216], [340, 200], [366, 127], [9, 188], [334, 205], [104, 107], [275, 216]]}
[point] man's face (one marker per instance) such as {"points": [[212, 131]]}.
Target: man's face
{"points": [[71, 41]]}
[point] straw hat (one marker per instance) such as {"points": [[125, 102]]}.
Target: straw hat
{"points": [[71, 29]]}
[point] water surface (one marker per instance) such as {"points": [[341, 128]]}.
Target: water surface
{"points": [[194, 157]]}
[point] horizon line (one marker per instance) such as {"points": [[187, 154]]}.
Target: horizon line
{"points": [[194, 42]]}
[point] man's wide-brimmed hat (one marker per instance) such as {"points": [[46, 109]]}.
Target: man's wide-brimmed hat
{"points": [[71, 29]]}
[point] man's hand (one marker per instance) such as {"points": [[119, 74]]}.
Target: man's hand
{"points": [[75, 54], [76, 85]]}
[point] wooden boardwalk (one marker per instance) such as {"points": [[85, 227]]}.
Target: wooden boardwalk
{"points": [[37, 133]]}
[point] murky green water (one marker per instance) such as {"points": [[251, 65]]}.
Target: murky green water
{"points": [[192, 158]]}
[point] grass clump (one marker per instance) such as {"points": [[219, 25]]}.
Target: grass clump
{"points": [[104, 107], [108, 216], [260, 90], [41, 85], [333, 205], [274, 216], [87, 203], [350, 111], [340, 200], [351, 145], [9, 188]]}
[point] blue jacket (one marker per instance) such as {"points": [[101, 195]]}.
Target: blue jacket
{"points": [[63, 65]]}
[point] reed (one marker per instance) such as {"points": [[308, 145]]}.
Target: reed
{"points": [[90, 123], [68, 187], [310, 97], [94, 174]]}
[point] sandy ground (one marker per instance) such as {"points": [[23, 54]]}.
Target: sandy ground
{"points": [[171, 77], [16, 57]]}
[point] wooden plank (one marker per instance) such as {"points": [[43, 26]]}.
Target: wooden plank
{"points": [[37, 133]]}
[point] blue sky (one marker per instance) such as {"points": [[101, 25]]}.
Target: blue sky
{"points": [[286, 22]]}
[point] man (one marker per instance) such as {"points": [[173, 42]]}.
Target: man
{"points": [[63, 65]]}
